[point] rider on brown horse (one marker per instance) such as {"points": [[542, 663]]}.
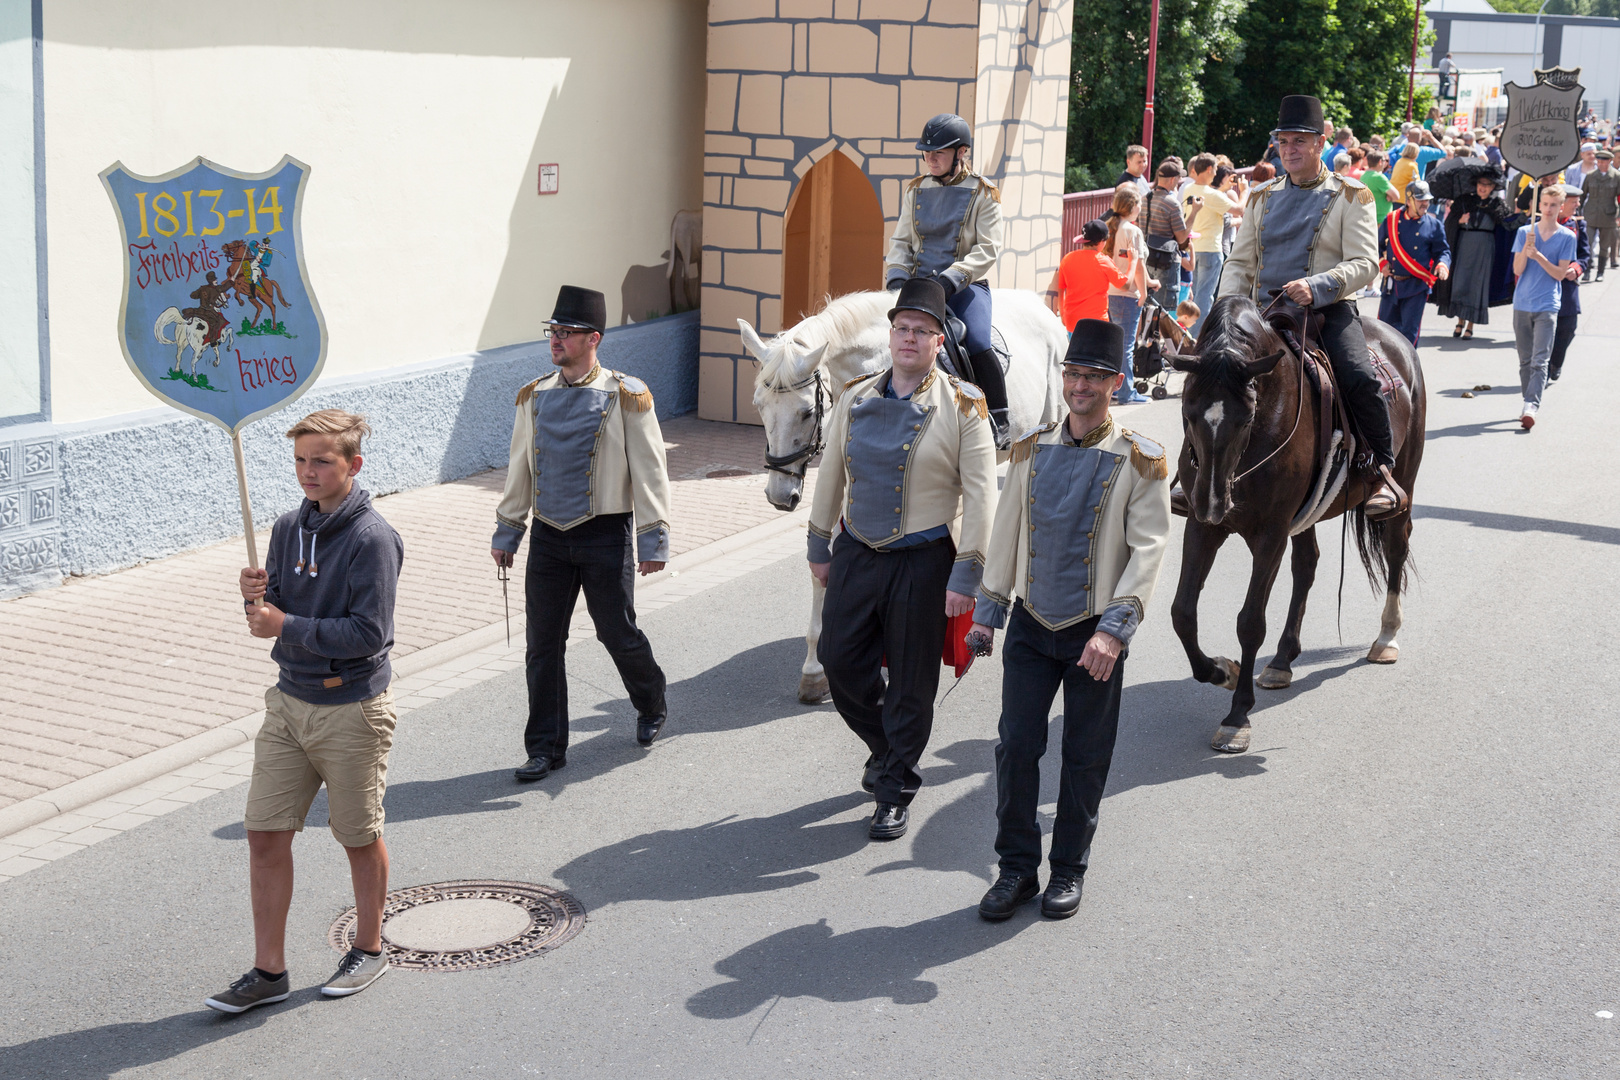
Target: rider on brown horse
{"points": [[1320, 247]]}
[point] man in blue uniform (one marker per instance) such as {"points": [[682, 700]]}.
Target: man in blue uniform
{"points": [[1413, 255], [1079, 534]]}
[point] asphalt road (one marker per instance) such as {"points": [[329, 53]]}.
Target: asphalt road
{"points": [[1412, 874]]}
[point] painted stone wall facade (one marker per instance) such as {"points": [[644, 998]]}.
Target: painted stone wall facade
{"points": [[790, 81]]}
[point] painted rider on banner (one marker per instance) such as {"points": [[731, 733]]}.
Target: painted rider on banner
{"points": [[188, 238]]}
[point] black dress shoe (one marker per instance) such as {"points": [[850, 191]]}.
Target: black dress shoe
{"points": [[537, 768], [869, 775], [889, 822], [647, 729], [1007, 895], [1062, 896]]}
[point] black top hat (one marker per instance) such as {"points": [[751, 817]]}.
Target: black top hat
{"points": [[582, 308], [921, 294], [1097, 343], [1300, 112]]}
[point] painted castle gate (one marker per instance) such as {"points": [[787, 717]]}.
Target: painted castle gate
{"points": [[814, 107]]}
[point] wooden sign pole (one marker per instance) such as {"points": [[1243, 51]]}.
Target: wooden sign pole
{"points": [[247, 509]]}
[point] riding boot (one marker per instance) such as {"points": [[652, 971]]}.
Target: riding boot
{"points": [[1371, 413], [987, 374]]}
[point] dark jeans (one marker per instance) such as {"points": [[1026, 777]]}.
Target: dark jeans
{"points": [[886, 604], [1563, 334], [972, 306], [1345, 343], [599, 557], [1035, 662]]}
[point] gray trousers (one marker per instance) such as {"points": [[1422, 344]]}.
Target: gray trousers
{"points": [[1533, 332], [1606, 245]]}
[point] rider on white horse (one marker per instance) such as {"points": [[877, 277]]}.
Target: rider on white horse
{"points": [[950, 230]]}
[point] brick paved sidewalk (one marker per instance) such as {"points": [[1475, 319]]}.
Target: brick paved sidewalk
{"points": [[106, 669]]}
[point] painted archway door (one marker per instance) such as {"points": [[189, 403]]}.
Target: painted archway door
{"points": [[833, 241]]}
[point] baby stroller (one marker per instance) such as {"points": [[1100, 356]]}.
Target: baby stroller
{"points": [[1158, 337]]}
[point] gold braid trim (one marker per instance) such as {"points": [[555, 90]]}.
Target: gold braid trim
{"points": [[634, 400], [972, 406], [857, 380]]}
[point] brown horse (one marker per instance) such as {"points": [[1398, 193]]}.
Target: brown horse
{"points": [[1248, 465], [237, 279]]}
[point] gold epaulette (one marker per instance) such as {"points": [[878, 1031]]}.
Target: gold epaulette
{"points": [[1147, 456], [1026, 442], [915, 182], [970, 399], [633, 393], [990, 189], [861, 378], [527, 392]]}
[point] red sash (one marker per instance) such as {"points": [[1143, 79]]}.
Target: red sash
{"points": [[1409, 264]]}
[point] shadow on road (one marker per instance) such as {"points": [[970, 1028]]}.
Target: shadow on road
{"points": [[734, 856], [1504, 426], [100, 1053], [875, 962], [1485, 519], [414, 800]]}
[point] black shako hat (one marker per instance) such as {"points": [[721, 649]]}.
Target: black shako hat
{"points": [[921, 294], [585, 309], [1097, 343], [1300, 112]]}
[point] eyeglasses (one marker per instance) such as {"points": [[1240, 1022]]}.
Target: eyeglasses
{"points": [[1090, 378], [911, 333], [563, 333]]}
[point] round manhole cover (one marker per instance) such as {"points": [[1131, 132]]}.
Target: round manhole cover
{"points": [[461, 925]]}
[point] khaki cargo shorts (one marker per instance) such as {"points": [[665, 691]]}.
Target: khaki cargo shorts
{"points": [[302, 746]]}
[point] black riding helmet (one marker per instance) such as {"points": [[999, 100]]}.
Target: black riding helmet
{"points": [[945, 131]]}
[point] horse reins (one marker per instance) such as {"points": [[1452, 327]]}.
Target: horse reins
{"points": [[783, 463]]}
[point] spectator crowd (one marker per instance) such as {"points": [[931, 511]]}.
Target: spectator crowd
{"points": [[1491, 237]]}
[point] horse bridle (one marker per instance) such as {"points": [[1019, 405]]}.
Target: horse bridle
{"points": [[1299, 406], [783, 463]]}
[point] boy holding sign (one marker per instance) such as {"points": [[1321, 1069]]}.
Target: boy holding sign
{"points": [[327, 595]]}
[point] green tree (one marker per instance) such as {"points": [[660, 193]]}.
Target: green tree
{"points": [[1609, 9], [1353, 54], [1109, 81]]}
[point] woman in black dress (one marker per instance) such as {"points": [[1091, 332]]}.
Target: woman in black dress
{"points": [[1471, 229]]}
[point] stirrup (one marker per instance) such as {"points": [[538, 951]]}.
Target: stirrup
{"points": [[1389, 500]]}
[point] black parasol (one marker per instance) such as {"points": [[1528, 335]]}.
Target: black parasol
{"points": [[1456, 177]]}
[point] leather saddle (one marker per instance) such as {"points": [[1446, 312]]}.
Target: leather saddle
{"points": [[953, 354]]}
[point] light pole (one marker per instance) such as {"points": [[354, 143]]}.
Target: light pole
{"points": [[1411, 82], [1535, 41], [1152, 70]]}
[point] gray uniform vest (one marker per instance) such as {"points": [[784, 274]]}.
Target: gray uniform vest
{"points": [[883, 437], [938, 215], [1288, 229], [1067, 486], [567, 424]]}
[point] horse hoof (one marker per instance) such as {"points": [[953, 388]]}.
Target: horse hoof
{"points": [[1383, 654], [1230, 740], [813, 689], [1274, 679], [1228, 672]]}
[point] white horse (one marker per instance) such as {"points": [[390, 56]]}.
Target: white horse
{"points": [[192, 332], [803, 371]]}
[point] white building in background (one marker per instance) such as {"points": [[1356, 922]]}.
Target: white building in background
{"points": [[1479, 37]]}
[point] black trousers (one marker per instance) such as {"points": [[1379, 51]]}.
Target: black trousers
{"points": [[599, 557], [1563, 334], [1035, 663], [886, 604], [1345, 343]]}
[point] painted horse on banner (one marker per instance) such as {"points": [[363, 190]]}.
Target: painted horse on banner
{"points": [[804, 368]]}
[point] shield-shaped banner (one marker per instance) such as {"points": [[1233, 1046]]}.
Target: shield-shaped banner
{"points": [[1540, 136], [217, 316]]}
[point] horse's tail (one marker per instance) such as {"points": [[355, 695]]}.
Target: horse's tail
{"points": [[281, 297], [1371, 546], [170, 317]]}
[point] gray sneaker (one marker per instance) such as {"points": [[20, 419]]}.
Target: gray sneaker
{"points": [[250, 990], [355, 972]]}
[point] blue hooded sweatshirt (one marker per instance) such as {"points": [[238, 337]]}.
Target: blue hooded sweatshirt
{"points": [[335, 576]]}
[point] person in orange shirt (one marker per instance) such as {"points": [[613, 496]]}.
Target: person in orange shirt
{"points": [[1079, 290]]}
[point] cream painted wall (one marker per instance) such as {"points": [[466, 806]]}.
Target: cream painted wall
{"points": [[19, 299], [423, 123]]}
